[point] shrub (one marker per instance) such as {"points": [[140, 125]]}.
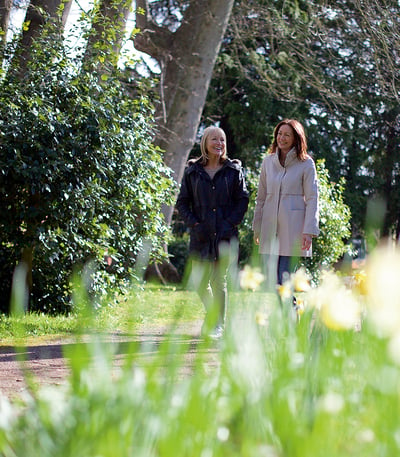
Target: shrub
{"points": [[80, 179], [334, 224]]}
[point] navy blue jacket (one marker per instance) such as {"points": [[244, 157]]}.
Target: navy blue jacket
{"points": [[212, 208]]}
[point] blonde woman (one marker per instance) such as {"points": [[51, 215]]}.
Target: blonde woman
{"points": [[212, 201]]}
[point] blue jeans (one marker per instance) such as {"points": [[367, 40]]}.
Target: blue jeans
{"points": [[277, 268]]}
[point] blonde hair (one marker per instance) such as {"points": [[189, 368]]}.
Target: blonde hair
{"points": [[300, 141], [204, 153]]}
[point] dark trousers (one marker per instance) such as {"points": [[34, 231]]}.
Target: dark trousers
{"points": [[277, 269]]}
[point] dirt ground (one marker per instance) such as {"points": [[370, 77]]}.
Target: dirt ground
{"points": [[48, 366]]}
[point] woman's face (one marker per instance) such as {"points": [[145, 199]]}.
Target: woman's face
{"points": [[285, 138], [215, 143]]}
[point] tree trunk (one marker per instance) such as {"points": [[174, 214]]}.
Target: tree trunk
{"points": [[109, 26], [186, 57], [5, 10], [389, 165], [35, 17]]}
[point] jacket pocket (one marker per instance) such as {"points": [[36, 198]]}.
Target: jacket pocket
{"points": [[228, 230], [199, 233]]}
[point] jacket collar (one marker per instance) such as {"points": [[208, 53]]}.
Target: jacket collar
{"points": [[291, 156], [195, 164]]}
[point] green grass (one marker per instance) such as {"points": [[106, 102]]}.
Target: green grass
{"points": [[272, 387], [149, 305]]}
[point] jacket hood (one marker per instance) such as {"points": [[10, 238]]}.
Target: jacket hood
{"points": [[233, 163]]}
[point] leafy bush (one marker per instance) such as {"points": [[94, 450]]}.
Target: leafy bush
{"points": [[334, 224], [80, 179]]}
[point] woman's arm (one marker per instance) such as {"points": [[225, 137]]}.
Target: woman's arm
{"points": [[240, 200], [184, 202], [310, 188]]}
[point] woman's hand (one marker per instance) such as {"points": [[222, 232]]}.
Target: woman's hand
{"points": [[306, 242]]}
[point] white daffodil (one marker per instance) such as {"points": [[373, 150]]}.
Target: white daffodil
{"points": [[301, 281], [250, 278], [338, 307], [383, 298]]}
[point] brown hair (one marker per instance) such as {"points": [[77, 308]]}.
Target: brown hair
{"points": [[300, 141], [204, 153]]}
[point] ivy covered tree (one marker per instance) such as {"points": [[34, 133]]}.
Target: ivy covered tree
{"points": [[80, 180]]}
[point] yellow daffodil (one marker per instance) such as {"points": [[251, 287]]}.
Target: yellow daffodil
{"points": [[339, 310], [300, 307], [301, 281], [285, 290], [360, 282]]}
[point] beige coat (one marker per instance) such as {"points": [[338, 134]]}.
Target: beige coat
{"points": [[286, 205]]}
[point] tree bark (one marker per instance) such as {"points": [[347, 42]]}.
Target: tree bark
{"points": [[186, 57], [35, 17], [5, 10], [109, 26]]}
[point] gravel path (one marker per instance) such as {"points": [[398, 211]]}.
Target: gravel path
{"points": [[48, 366]]}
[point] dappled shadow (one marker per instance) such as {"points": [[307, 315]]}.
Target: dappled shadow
{"points": [[48, 363]]}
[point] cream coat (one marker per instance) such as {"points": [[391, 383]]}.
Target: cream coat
{"points": [[286, 205]]}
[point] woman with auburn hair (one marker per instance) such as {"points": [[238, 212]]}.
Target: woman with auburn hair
{"points": [[286, 213], [212, 201]]}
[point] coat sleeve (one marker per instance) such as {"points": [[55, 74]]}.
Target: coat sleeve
{"points": [[260, 199], [310, 186], [184, 202], [240, 200]]}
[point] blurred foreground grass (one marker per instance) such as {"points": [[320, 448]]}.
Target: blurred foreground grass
{"points": [[327, 385]]}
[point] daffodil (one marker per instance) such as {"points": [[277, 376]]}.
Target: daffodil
{"points": [[261, 319], [341, 311], [338, 307], [285, 290], [250, 278], [300, 307], [360, 282], [383, 298], [301, 281]]}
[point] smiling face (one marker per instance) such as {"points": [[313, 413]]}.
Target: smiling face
{"points": [[285, 138], [215, 143]]}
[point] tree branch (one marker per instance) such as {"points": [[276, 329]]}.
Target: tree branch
{"points": [[152, 39]]}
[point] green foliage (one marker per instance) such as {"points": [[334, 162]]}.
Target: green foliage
{"points": [[247, 248], [332, 65], [80, 180], [334, 224]]}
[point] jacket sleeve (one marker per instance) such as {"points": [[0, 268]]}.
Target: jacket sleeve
{"points": [[260, 199], [184, 202], [240, 200], [310, 186]]}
